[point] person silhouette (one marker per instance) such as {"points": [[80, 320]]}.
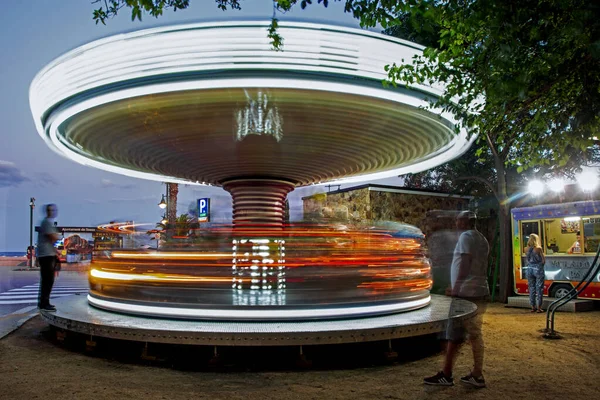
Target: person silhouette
{"points": [[468, 282], [46, 253]]}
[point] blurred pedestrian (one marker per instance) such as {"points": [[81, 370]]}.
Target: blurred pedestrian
{"points": [[46, 253], [441, 241], [468, 282], [535, 272]]}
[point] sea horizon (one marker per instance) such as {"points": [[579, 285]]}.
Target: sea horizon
{"points": [[13, 253]]}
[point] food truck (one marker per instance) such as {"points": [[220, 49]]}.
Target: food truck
{"points": [[570, 235]]}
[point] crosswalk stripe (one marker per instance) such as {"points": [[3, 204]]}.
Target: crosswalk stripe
{"points": [[34, 295], [5, 296], [29, 301], [29, 294], [37, 289], [56, 286]]}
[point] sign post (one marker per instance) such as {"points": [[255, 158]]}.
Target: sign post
{"points": [[204, 210]]}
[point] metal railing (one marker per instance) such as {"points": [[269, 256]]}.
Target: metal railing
{"points": [[549, 332]]}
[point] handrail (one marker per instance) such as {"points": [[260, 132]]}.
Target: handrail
{"points": [[573, 293]]}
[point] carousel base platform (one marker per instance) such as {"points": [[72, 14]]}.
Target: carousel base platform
{"points": [[76, 315]]}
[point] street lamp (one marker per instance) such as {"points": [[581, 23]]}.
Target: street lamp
{"points": [[31, 207], [164, 220], [163, 203], [536, 188], [588, 180], [557, 185]]}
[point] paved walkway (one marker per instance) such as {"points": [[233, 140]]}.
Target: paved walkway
{"points": [[19, 294]]}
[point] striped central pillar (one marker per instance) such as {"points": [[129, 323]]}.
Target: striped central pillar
{"points": [[258, 202]]}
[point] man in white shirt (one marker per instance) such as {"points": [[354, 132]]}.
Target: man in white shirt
{"points": [[468, 277], [46, 254]]}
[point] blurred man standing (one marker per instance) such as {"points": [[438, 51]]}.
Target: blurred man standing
{"points": [[469, 282], [46, 253]]}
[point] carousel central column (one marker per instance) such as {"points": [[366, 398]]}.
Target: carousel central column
{"points": [[258, 202], [258, 260]]}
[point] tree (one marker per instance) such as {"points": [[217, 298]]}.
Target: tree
{"points": [[172, 193], [183, 224], [521, 74], [469, 174], [155, 8], [110, 8]]}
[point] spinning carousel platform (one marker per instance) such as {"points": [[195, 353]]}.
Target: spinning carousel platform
{"points": [[75, 314]]}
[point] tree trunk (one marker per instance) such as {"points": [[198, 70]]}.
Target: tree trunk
{"points": [[505, 267], [172, 192]]}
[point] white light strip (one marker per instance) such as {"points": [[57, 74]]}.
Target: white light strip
{"points": [[166, 255], [122, 276], [217, 46], [458, 145], [255, 314], [118, 276]]}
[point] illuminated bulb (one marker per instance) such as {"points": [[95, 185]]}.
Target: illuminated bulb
{"points": [[535, 188], [557, 185], [588, 180]]}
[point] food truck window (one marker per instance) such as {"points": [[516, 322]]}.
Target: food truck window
{"points": [[527, 228], [591, 233], [561, 234]]}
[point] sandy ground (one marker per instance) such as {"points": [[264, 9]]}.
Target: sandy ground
{"points": [[519, 365]]}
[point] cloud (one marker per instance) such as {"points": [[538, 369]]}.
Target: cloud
{"points": [[10, 175], [44, 178], [107, 183], [121, 200]]}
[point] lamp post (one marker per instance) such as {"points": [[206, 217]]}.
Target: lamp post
{"points": [[31, 207], [163, 203]]}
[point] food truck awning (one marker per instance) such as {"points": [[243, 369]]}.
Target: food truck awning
{"points": [[557, 210]]}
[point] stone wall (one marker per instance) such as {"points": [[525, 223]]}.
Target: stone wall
{"points": [[411, 208], [346, 206], [363, 205]]}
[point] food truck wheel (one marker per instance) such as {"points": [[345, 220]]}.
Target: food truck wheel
{"points": [[560, 290]]}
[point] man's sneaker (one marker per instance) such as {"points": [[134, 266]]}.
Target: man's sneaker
{"points": [[439, 379], [472, 380], [49, 308]]}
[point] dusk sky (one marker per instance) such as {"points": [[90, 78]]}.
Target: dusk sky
{"points": [[35, 32]]}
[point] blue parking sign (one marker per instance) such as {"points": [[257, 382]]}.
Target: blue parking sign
{"points": [[204, 210]]}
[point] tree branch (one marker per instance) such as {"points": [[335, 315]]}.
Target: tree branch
{"points": [[491, 145], [506, 148], [480, 179]]}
